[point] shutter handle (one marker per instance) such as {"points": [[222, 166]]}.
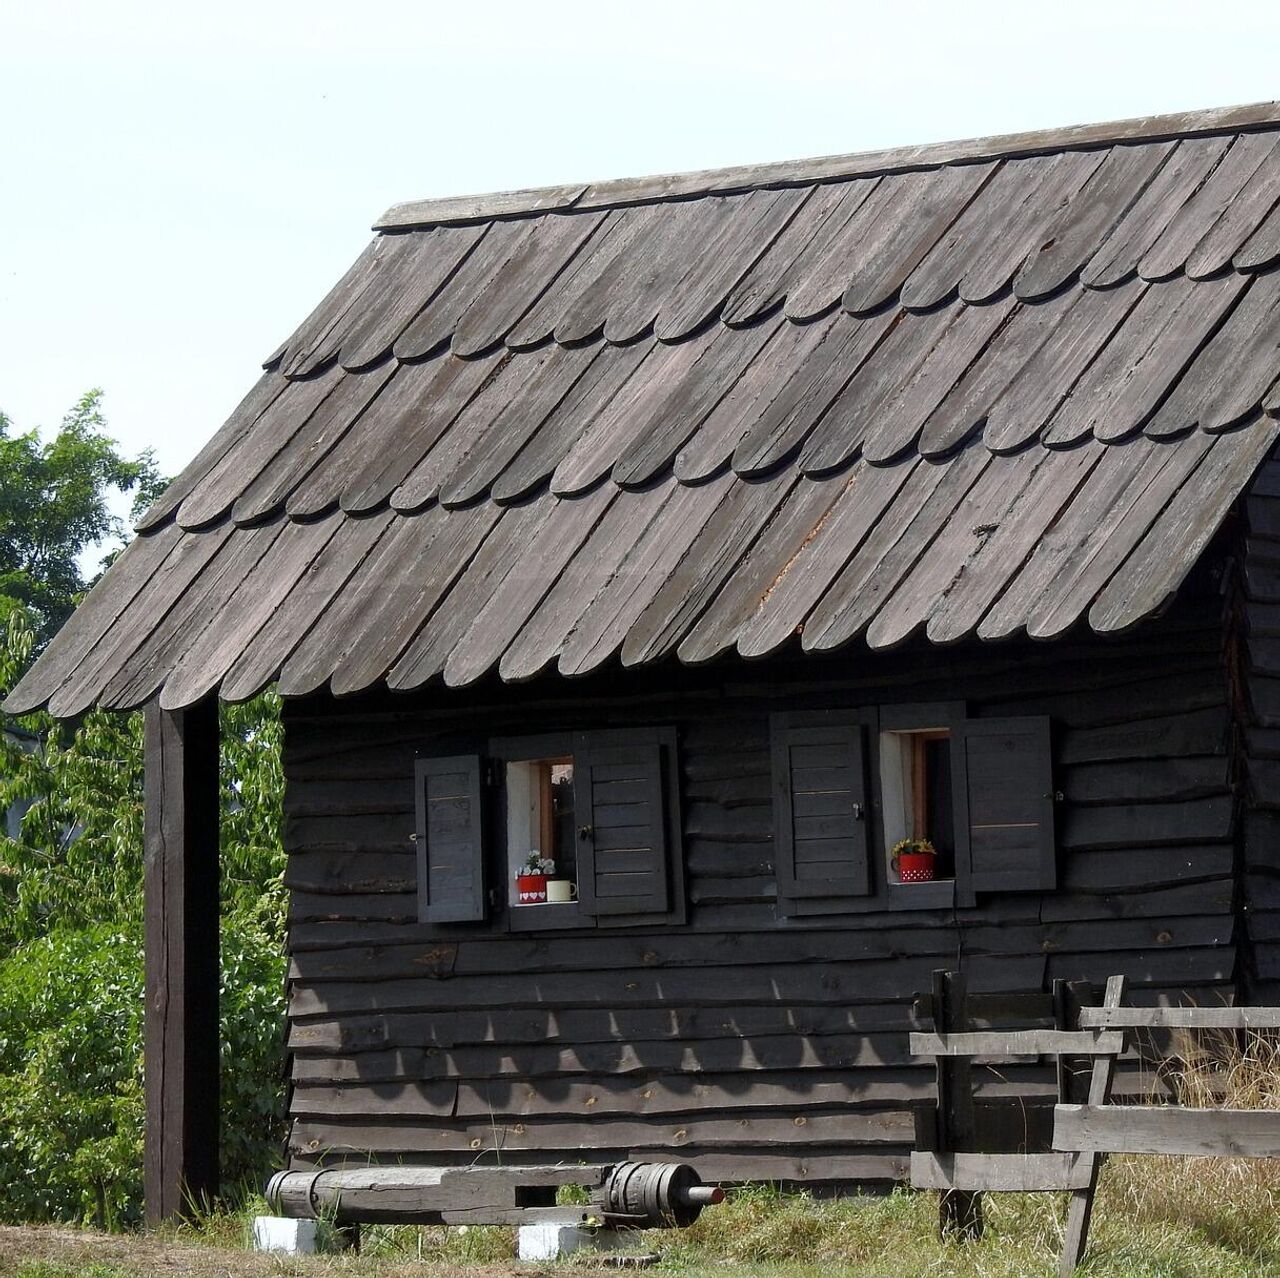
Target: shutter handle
{"points": [[585, 832], [859, 813]]}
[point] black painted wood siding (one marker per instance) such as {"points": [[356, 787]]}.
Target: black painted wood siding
{"points": [[753, 1046]]}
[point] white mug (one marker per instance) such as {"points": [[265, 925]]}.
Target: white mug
{"points": [[560, 891]]}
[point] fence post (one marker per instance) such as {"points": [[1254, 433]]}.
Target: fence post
{"points": [[959, 1210]]}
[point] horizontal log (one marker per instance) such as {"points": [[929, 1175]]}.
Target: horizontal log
{"points": [[1165, 907], [839, 1128], [1146, 781], [1206, 1018], [339, 873], [1018, 1043], [1142, 825], [1167, 1129], [1197, 732], [1144, 868], [999, 1173]]}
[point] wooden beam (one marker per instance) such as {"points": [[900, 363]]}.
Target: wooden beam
{"points": [[1004, 1043], [181, 902], [1215, 1018], [998, 1173], [1167, 1129]]}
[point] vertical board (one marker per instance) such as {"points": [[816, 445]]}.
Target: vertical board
{"points": [[820, 809], [620, 798], [451, 863], [1003, 783]]}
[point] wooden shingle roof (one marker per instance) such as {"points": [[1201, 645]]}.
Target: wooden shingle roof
{"points": [[971, 390]]}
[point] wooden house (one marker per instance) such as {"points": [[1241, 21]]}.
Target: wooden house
{"points": [[707, 536]]}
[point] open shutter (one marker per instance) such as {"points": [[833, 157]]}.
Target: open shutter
{"points": [[451, 886], [1003, 779], [820, 810], [621, 811]]}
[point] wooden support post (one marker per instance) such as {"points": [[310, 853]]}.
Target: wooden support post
{"points": [[959, 1210], [181, 902], [1080, 1210], [1074, 1072]]}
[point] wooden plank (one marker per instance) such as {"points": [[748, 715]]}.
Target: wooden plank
{"points": [[541, 455], [96, 617], [1239, 220], [416, 416], [917, 210], [288, 413], [1142, 360], [497, 556], [555, 243], [1088, 217], [862, 511], [1081, 1042], [422, 264], [785, 352], [182, 972], [1161, 1129], [1205, 1018], [341, 412], [1197, 217], [493, 446], [1030, 399], [514, 599], [333, 582], [1080, 1209], [379, 634], [785, 424], [268, 387], [744, 240], [601, 629], [1178, 537], [997, 1173], [695, 579], [1262, 249], [144, 672], [1231, 376], [252, 606], [1181, 175]]}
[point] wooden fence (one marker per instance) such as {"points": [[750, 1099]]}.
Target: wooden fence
{"points": [[1084, 1130]]}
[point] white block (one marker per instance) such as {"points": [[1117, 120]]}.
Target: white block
{"points": [[287, 1237], [549, 1242]]}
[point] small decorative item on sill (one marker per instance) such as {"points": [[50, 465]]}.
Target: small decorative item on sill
{"points": [[914, 860], [531, 879]]}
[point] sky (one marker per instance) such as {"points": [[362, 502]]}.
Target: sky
{"points": [[179, 184]]}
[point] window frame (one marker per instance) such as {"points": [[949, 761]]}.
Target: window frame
{"points": [[503, 917], [885, 895]]}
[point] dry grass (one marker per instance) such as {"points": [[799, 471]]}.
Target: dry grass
{"points": [[1155, 1218]]}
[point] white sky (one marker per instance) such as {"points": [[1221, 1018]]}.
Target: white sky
{"points": [[179, 183]]}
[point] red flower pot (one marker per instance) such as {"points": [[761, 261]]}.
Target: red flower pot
{"points": [[915, 867], [531, 889]]}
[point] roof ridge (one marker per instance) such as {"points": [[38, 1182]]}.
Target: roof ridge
{"points": [[672, 186]]}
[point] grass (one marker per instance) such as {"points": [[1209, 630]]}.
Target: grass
{"points": [[1154, 1218]]}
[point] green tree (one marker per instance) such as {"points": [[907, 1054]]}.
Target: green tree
{"points": [[55, 503]]}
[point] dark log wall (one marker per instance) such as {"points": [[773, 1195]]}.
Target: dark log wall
{"points": [[753, 1046], [1256, 666]]}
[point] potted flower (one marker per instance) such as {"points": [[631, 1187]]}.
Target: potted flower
{"points": [[914, 860], [531, 879]]}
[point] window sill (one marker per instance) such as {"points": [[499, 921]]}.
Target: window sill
{"points": [[548, 917], [937, 895]]}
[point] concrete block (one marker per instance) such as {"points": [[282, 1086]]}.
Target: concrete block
{"points": [[286, 1237], [550, 1242]]}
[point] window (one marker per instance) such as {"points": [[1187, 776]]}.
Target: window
{"points": [[593, 815], [850, 787]]}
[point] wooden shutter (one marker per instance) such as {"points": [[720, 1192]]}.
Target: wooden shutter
{"points": [[620, 807], [1003, 779], [451, 886], [820, 810]]}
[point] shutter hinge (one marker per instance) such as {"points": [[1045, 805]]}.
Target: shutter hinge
{"points": [[491, 773]]}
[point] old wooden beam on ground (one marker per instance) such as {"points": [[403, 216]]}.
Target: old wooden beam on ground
{"points": [[181, 900]]}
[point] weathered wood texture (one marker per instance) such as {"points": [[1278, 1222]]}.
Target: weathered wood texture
{"points": [[1146, 1129], [1253, 655], [182, 979], [753, 1045]]}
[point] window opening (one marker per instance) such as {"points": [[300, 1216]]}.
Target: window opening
{"points": [[919, 815], [541, 849]]}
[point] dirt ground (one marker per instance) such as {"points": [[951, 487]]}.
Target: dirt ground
{"points": [[51, 1252]]}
